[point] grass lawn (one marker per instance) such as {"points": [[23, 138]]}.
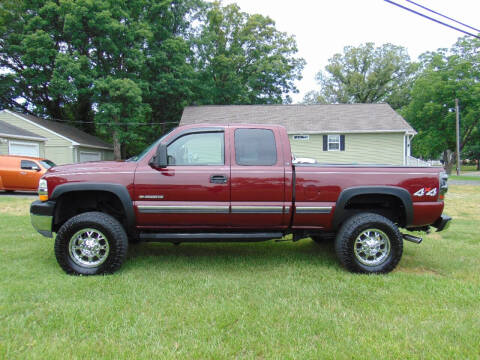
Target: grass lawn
{"points": [[264, 300], [464, 177], [468, 168]]}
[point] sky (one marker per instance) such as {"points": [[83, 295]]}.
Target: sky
{"points": [[324, 27]]}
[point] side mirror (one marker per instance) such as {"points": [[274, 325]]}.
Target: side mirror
{"points": [[160, 158]]}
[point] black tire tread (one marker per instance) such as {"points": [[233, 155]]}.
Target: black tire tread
{"points": [[344, 243], [117, 235]]}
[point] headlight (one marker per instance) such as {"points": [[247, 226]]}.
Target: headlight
{"points": [[43, 190]]}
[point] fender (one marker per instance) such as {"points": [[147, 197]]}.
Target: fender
{"points": [[119, 190], [349, 193]]}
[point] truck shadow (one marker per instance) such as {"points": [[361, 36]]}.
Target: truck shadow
{"points": [[244, 254]]}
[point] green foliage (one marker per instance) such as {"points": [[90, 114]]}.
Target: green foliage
{"points": [[120, 110], [243, 59], [60, 57], [446, 75], [366, 74]]}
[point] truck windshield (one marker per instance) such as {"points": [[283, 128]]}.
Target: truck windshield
{"points": [[144, 152], [47, 164]]}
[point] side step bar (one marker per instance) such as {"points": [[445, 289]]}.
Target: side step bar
{"points": [[209, 237]]}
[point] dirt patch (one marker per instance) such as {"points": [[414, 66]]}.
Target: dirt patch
{"points": [[15, 207]]}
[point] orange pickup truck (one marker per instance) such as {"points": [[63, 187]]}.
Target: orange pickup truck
{"points": [[22, 173]]}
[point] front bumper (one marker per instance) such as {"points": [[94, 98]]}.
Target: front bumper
{"points": [[41, 216], [442, 223]]}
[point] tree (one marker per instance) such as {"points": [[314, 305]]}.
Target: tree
{"points": [[446, 75], [120, 111], [243, 59], [472, 151], [125, 69], [55, 56], [366, 74], [30, 39]]}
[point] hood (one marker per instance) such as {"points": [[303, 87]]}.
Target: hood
{"points": [[93, 167]]}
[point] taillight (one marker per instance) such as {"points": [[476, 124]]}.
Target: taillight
{"points": [[443, 185]]}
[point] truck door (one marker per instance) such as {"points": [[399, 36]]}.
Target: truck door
{"points": [[257, 179], [29, 175], [193, 190]]}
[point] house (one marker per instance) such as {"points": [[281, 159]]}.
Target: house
{"points": [[28, 135], [343, 133]]}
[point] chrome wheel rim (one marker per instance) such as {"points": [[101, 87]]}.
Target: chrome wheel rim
{"points": [[372, 247], [89, 247]]}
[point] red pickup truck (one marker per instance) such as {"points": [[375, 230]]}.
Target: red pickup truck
{"points": [[203, 183]]}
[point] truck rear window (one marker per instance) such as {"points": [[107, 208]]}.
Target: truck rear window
{"points": [[255, 147]]}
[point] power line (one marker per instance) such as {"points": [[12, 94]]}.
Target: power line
{"points": [[432, 19], [446, 17]]}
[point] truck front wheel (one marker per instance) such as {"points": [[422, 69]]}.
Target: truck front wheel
{"points": [[91, 243], [369, 243]]}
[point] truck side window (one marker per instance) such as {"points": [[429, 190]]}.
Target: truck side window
{"points": [[28, 165], [255, 147], [197, 149]]}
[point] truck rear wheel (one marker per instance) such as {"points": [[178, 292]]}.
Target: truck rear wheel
{"points": [[91, 243], [369, 243]]}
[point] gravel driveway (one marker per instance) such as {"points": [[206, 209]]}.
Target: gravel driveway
{"points": [[464, 182], [18, 194]]}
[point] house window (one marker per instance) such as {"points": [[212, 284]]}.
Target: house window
{"points": [[301, 137], [333, 142]]}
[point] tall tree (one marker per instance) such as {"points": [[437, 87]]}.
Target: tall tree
{"points": [[366, 74], [54, 56], [167, 71], [120, 111], [446, 75], [30, 39], [243, 59], [125, 69]]}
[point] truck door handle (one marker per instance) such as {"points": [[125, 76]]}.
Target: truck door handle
{"points": [[218, 179]]}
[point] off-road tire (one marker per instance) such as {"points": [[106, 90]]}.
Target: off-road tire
{"points": [[115, 236], [353, 228]]}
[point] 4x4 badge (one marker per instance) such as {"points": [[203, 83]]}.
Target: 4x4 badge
{"points": [[426, 191]]}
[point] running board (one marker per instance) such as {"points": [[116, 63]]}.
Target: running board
{"points": [[209, 237]]}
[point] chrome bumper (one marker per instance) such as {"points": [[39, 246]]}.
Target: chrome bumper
{"points": [[41, 216]]}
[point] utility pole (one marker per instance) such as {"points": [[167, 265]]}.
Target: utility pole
{"points": [[458, 136]]}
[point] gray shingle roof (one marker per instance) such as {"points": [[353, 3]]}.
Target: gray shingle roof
{"points": [[67, 131], [9, 130], [303, 118]]}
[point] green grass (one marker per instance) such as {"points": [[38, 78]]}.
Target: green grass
{"points": [[265, 300], [464, 177], [468, 168]]}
